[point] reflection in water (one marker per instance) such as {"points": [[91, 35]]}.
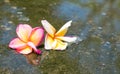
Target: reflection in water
{"points": [[71, 11], [36, 59], [33, 58]]}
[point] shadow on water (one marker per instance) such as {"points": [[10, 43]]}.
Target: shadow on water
{"points": [[95, 23]]}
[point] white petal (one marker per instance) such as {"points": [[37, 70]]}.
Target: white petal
{"points": [[48, 42], [64, 29], [68, 39], [48, 27], [54, 44], [60, 45]]}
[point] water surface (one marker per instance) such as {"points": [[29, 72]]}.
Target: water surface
{"points": [[95, 22]]}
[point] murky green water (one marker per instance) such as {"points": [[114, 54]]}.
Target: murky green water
{"points": [[95, 22]]}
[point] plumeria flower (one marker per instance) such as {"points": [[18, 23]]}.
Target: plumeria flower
{"points": [[55, 39], [28, 39]]}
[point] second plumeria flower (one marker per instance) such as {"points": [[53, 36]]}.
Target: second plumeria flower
{"points": [[55, 39], [27, 40]]}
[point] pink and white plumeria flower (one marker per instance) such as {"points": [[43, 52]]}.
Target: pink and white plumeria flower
{"points": [[56, 40], [28, 39]]}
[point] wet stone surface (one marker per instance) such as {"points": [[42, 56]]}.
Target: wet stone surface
{"points": [[96, 23]]}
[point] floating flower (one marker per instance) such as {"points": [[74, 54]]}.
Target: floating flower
{"points": [[56, 40], [28, 39]]}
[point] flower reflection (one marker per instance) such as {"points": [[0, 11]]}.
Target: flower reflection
{"points": [[36, 59], [32, 58]]}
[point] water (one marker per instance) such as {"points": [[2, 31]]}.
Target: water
{"points": [[95, 23]]}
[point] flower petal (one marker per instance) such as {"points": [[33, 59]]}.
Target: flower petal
{"points": [[67, 39], [34, 48], [60, 45], [26, 50], [48, 27], [17, 43], [64, 29], [54, 43], [48, 42], [37, 35], [23, 31]]}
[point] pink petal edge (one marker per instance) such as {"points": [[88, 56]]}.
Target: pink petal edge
{"points": [[37, 35], [22, 51], [16, 43], [23, 31], [34, 48], [38, 51]]}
